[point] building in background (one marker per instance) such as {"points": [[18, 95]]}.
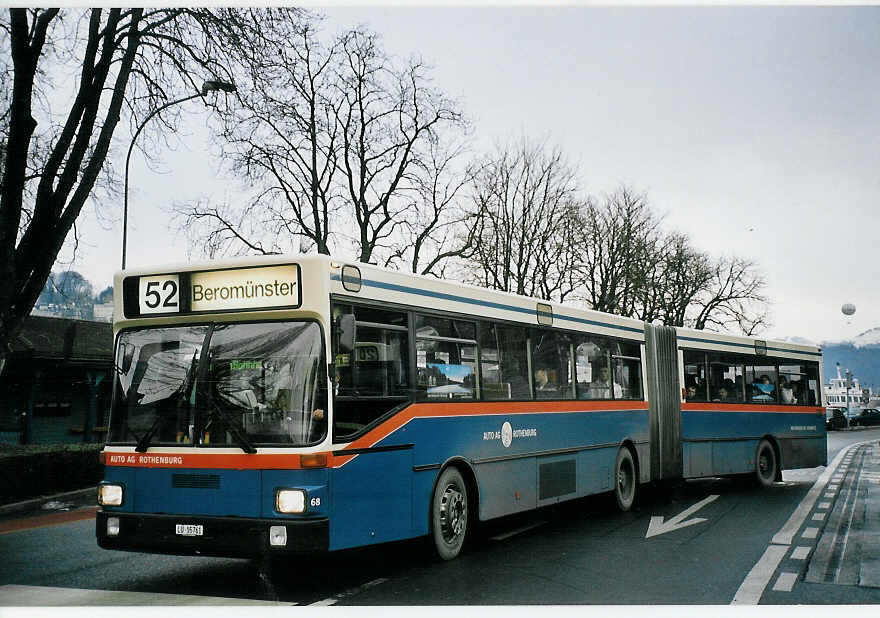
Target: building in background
{"points": [[55, 386]]}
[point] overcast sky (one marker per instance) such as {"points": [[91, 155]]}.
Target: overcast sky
{"points": [[754, 130]]}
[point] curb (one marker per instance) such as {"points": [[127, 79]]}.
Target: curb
{"points": [[27, 505]]}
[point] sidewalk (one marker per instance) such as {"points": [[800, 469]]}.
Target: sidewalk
{"points": [[36, 503], [848, 551]]}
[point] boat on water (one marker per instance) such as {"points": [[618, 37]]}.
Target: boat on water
{"points": [[846, 392]]}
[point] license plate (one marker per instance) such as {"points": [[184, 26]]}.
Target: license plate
{"points": [[189, 529]]}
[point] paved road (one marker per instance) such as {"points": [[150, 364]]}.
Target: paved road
{"points": [[742, 544]]}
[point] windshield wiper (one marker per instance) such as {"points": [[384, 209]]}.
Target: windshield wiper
{"points": [[232, 426], [144, 443]]}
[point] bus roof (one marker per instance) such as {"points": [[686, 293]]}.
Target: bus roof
{"points": [[408, 289]]}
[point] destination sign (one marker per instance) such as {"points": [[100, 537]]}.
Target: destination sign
{"points": [[244, 288], [264, 287]]}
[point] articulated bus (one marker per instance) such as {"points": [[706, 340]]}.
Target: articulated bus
{"points": [[300, 404]]}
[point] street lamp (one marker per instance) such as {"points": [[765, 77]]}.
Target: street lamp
{"points": [[208, 86]]}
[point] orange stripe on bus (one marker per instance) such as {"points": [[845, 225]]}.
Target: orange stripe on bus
{"points": [[484, 408], [284, 461]]}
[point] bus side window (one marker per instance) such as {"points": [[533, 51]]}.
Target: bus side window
{"points": [[592, 369], [626, 360], [696, 386], [446, 358], [373, 378], [551, 364], [503, 362]]}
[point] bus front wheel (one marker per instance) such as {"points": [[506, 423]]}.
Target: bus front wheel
{"points": [[624, 479], [449, 514], [765, 464]]}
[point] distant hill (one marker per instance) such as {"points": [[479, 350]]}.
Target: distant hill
{"points": [[861, 356]]}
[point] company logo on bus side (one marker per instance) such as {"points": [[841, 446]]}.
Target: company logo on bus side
{"points": [[508, 433]]}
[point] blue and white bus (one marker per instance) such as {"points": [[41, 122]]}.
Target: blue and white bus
{"points": [[264, 406]]}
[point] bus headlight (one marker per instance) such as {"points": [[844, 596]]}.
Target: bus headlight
{"points": [[110, 495], [290, 501]]}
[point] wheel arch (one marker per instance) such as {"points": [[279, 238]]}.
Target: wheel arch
{"points": [[470, 479], [777, 451], [630, 445]]}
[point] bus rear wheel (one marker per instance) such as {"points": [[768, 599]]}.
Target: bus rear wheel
{"points": [[624, 479], [449, 514], [765, 464]]}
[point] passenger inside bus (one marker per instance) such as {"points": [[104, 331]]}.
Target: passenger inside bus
{"points": [[544, 388], [722, 395], [600, 388], [763, 389], [786, 391]]}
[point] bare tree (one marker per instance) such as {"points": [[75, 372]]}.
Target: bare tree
{"points": [[387, 114], [435, 227], [733, 298], [525, 213], [54, 154], [619, 249], [630, 266], [342, 144], [280, 137], [680, 272]]}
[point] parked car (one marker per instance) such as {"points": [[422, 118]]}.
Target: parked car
{"points": [[835, 418], [851, 413], [869, 416]]}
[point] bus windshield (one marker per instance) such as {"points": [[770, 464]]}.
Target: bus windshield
{"points": [[220, 385]]}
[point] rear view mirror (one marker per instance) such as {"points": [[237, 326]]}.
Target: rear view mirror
{"points": [[127, 357], [347, 329]]}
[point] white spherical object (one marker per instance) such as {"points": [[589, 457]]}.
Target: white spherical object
{"points": [[848, 309]]}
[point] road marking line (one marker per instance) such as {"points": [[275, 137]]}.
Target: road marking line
{"points": [[333, 600], [507, 535], [789, 530], [753, 585], [818, 517], [824, 505], [756, 581], [800, 553], [830, 494], [785, 582]]}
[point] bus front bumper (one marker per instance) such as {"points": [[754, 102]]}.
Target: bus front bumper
{"points": [[233, 537]]}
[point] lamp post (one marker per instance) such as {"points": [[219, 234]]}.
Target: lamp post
{"points": [[208, 86]]}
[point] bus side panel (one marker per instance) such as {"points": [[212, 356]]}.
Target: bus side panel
{"points": [[594, 470], [733, 457], [371, 498], [507, 487], [717, 442], [806, 453], [423, 486]]}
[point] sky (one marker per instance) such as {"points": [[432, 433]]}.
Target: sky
{"points": [[755, 130]]}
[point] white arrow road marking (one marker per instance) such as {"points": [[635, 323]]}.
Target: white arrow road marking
{"points": [[658, 527]]}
